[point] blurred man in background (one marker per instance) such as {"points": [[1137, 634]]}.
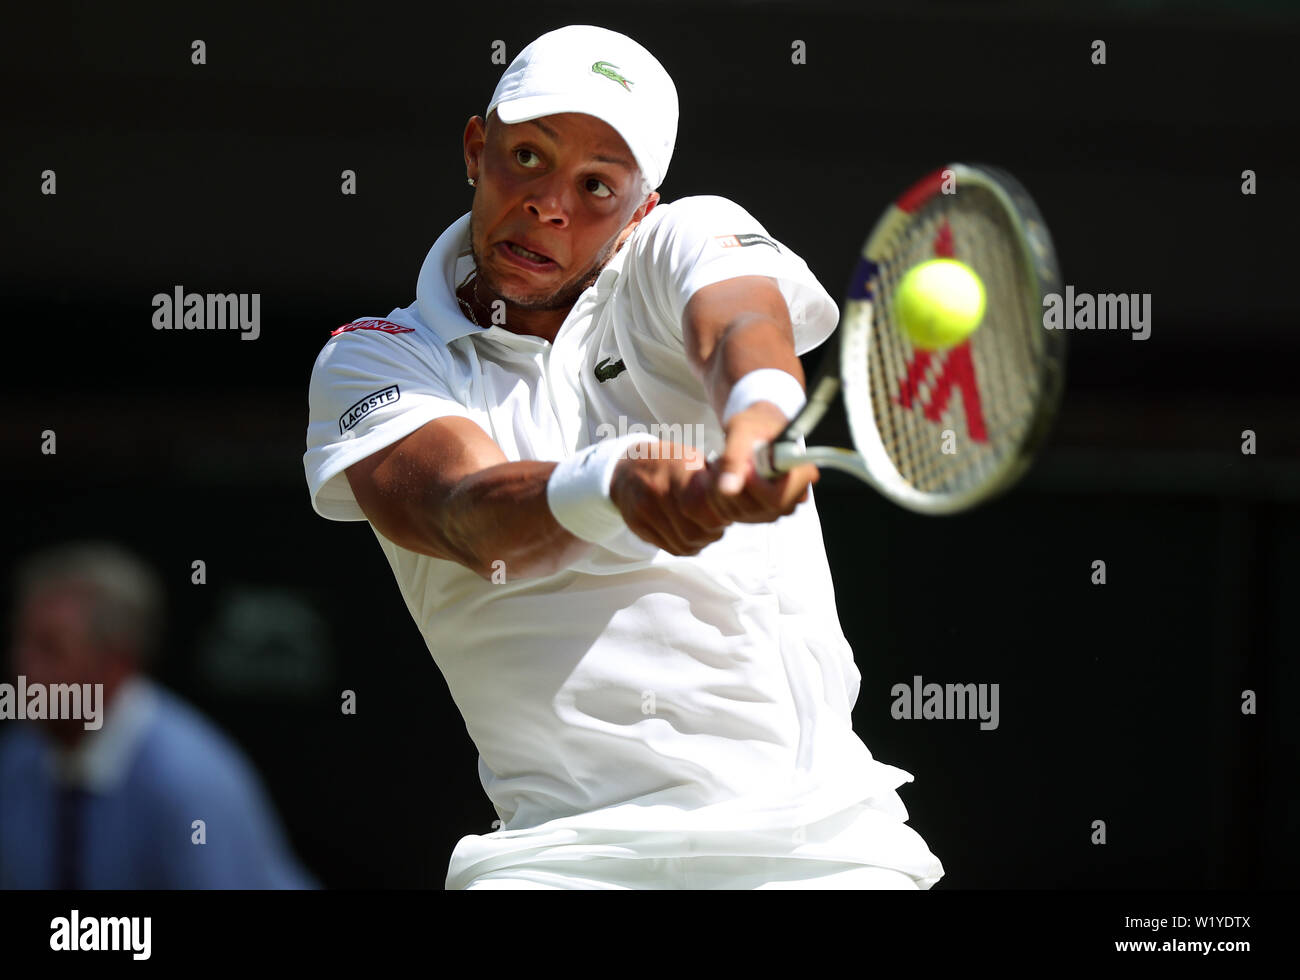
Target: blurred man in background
{"points": [[115, 801]]}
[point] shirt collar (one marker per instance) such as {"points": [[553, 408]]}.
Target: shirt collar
{"points": [[446, 265], [100, 759]]}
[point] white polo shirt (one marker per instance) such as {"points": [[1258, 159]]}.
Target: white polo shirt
{"points": [[636, 703]]}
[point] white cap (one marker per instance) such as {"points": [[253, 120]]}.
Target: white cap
{"points": [[600, 73]]}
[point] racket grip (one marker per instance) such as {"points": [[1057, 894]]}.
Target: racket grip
{"points": [[763, 459]]}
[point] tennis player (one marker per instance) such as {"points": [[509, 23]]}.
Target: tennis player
{"points": [[643, 642]]}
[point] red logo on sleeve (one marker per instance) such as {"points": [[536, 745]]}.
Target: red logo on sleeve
{"points": [[372, 323], [741, 241]]}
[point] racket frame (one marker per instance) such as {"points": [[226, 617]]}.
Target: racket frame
{"points": [[846, 364]]}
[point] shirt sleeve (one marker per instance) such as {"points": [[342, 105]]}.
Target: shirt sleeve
{"points": [[703, 240], [370, 388]]}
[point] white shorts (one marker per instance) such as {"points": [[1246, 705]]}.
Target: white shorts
{"points": [[731, 873], [867, 845]]}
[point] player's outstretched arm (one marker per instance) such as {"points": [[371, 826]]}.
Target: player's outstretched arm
{"points": [[447, 490], [732, 328]]}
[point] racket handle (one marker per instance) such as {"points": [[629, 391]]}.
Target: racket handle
{"points": [[781, 457], [771, 459]]}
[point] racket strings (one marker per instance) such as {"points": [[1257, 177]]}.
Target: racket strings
{"points": [[979, 398]]}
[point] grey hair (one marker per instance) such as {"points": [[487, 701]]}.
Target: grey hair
{"points": [[126, 597]]}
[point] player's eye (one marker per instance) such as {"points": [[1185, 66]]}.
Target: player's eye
{"points": [[595, 186], [521, 153]]}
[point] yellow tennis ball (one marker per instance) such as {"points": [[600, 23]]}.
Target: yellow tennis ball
{"points": [[939, 303]]}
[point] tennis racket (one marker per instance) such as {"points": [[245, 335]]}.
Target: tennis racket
{"points": [[940, 432]]}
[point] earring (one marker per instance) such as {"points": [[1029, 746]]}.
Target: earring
{"points": [[470, 181]]}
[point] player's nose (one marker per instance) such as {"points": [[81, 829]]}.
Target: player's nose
{"points": [[550, 202]]}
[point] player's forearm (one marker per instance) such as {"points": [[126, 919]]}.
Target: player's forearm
{"points": [[497, 523], [750, 342]]}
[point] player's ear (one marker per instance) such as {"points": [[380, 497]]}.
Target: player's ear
{"points": [[475, 138], [646, 207], [649, 205]]}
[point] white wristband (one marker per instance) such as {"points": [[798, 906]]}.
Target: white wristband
{"points": [[578, 490], [766, 385]]}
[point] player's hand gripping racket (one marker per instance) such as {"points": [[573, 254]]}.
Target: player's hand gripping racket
{"points": [[940, 432]]}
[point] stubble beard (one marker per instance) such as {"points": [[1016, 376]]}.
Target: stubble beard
{"points": [[562, 299]]}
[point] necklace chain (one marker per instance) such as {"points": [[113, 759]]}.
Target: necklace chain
{"points": [[469, 310]]}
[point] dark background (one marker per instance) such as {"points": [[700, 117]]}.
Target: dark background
{"points": [[1118, 702]]}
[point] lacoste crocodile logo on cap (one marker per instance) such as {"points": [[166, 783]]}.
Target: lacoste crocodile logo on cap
{"points": [[606, 69]]}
